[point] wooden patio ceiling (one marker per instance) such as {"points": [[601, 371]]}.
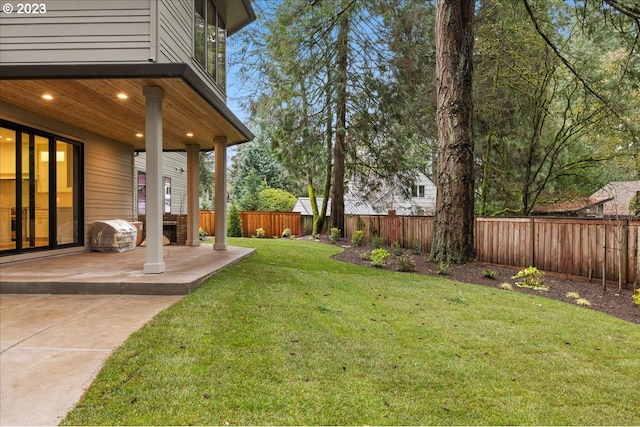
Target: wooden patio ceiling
{"points": [[93, 104]]}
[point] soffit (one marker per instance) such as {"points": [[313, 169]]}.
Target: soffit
{"points": [[93, 105]]}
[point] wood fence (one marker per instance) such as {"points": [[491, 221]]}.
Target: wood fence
{"points": [[590, 248], [273, 223]]}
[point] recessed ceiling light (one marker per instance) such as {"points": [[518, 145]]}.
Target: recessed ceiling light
{"points": [[139, 135], [189, 134], [123, 95], [47, 96]]}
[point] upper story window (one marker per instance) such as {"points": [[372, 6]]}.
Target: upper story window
{"points": [[417, 191], [210, 40]]}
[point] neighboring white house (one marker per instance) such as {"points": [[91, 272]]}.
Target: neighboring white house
{"points": [[85, 84], [420, 199], [616, 195], [351, 207]]}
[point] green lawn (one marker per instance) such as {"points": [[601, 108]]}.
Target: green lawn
{"points": [[290, 336]]}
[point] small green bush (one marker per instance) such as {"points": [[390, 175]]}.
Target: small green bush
{"points": [[364, 255], [443, 267], [334, 235], [531, 278], [234, 223], [491, 274], [416, 246], [379, 257], [583, 302], [202, 233], [506, 286], [260, 232], [405, 263], [573, 295], [636, 298], [396, 248], [377, 241], [357, 238]]}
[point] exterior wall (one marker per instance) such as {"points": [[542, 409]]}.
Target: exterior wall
{"points": [[175, 38], [174, 166], [108, 168], [80, 31]]}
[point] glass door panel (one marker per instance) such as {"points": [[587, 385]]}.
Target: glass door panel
{"points": [[42, 186], [66, 203], [7, 189]]}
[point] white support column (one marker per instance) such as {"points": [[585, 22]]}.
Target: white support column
{"points": [[193, 194], [155, 186], [220, 149]]}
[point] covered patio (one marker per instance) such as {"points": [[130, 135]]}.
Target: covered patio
{"points": [[187, 267]]}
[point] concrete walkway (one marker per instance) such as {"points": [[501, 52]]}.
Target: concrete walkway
{"points": [[53, 346]]}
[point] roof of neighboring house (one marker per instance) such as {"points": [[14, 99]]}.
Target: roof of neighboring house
{"points": [[351, 206], [618, 193], [568, 207]]}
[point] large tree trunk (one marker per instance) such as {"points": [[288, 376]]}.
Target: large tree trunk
{"points": [[337, 201], [453, 238]]}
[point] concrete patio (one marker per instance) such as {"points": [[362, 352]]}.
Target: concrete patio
{"points": [[53, 346], [118, 273]]}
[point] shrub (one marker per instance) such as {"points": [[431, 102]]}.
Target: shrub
{"points": [[364, 255], [573, 295], [334, 235], [379, 257], [234, 224], [531, 278], [357, 238], [405, 263], [416, 247], [636, 298], [377, 241], [276, 200], [506, 286], [202, 233], [583, 302], [489, 273], [396, 248], [286, 232], [260, 232], [443, 267]]}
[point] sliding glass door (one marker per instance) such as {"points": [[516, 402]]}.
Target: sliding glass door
{"points": [[40, 207]]}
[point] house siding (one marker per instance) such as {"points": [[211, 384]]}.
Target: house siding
{"points": [[174, 166], [175, 38], [79, 31]]}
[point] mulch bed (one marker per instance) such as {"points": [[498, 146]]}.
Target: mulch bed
{"points": [[618, 303]]}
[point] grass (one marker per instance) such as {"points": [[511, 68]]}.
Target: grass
{"points": [[291, 337]]}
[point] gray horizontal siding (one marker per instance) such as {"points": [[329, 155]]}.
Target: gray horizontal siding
{"points": [[174, 166], [175, 38], [79, 31]]}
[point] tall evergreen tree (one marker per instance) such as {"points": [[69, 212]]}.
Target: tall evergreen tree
{"points": [[453, 235]]}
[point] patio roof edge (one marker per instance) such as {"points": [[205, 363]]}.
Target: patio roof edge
{"points": [[127, 71]]}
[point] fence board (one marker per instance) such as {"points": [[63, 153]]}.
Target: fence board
{"points": [[273, 223], [572, 246]]}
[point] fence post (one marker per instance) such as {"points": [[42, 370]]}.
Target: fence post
{"points": [[624, 253], [532, 242]]}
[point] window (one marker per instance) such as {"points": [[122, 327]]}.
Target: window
{"points": [[142, 193], [167, 195], [417, 191], [41, 189], [210, 38]]}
